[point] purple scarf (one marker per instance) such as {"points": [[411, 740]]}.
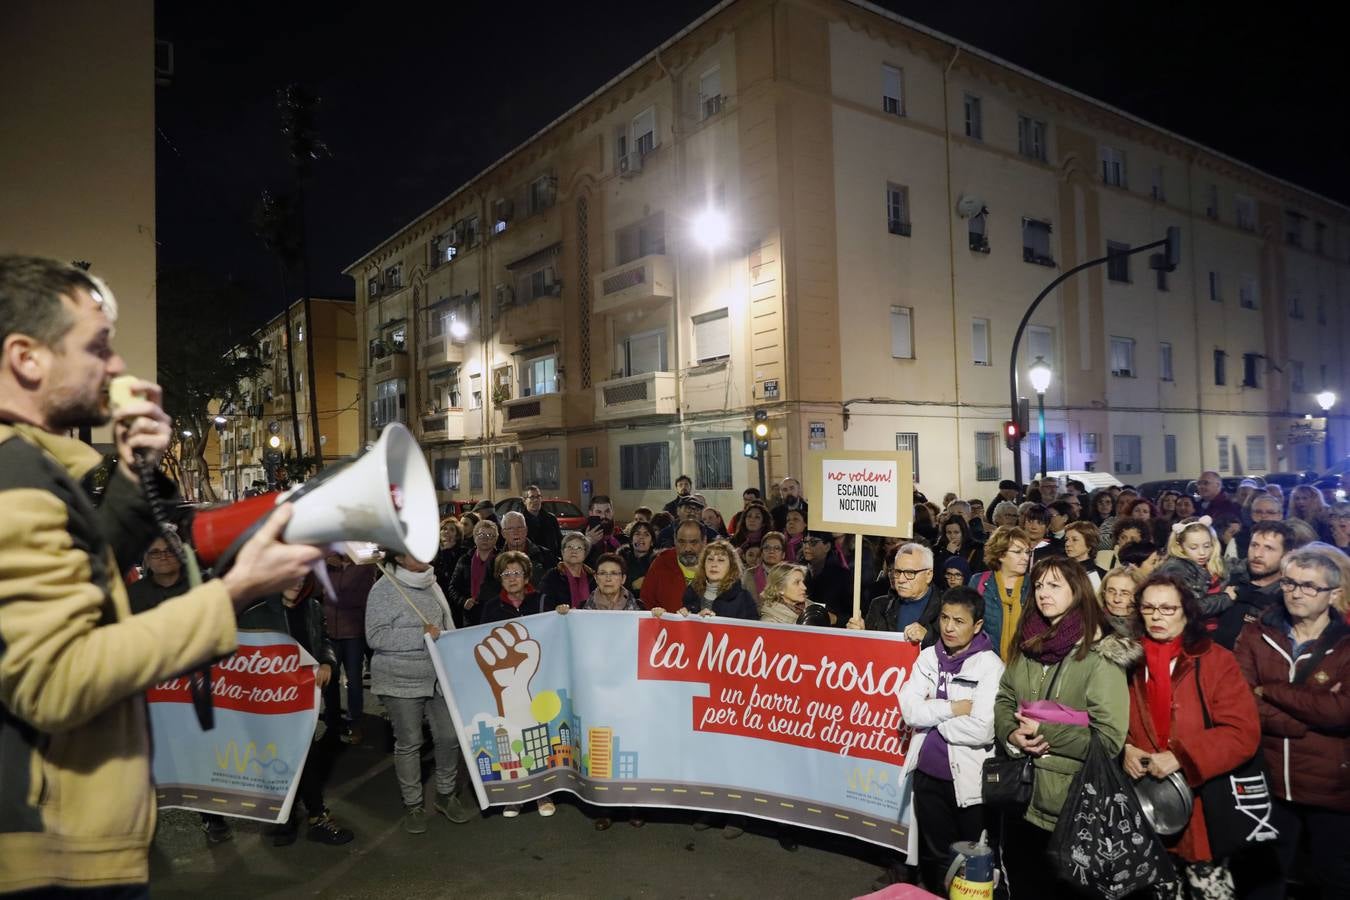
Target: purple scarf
{"points": [[578, 586], [761, 578], [933, 757], [1037, 643]]}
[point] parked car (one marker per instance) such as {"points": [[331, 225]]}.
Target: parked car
{"points": [[456, 508], [1150, 490], [1290, 480], [569, 515]]}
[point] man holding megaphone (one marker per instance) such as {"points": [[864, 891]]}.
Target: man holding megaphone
{"points": [[76, 805]]}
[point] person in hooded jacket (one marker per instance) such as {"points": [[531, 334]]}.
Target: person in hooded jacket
{"points": [[949, 702], [1062, 651]]}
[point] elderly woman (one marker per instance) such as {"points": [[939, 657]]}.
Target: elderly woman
{"points": [[795, 530], [1062, 652], [1116, 596], [451, 549], [516, 596], [638, 554], [572, 581], [772, 551], [610, 592], [1006, 514], [1187, 679], [473, 569], [716, 589], [783, 599], [401, 608], [1080, 545], [1338, 520]]}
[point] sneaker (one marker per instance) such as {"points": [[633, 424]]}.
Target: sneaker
{"points": [[415, 820], [450, 806], [326, 830], [546, 808], [511, 812], [217, 831]]}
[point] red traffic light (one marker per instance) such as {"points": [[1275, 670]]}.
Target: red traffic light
{"points": [[1011, 434]]}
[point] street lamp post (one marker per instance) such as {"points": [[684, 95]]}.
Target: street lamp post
{"points": [[1040, 381], [1327, 399]]}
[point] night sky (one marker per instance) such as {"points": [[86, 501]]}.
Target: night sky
{"points": [[417, 99]]}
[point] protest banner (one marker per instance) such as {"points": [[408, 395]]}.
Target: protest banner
{"points": [[248, 766], [799, 725], [860, 492]]}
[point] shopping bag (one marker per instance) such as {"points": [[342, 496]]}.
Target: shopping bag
{"points": [[1102, 843]]}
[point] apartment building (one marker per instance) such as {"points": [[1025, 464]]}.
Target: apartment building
{"points": [[262, 422], [833, 214]]}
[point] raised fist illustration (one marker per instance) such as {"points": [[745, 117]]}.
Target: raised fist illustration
{"points": [[509, 659]]}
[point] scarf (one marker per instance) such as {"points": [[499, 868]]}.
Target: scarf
{"points": [[478, 570], [1158, 658], [761, 578], [507, 599], [419, 580], [1038, 643], [1012, 611], [934, 759], [578, 586]]}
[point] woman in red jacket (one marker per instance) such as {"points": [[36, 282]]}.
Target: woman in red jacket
{"points": [[1167, 724]]}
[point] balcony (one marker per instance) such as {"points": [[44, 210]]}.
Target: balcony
{"points": [[642, 283], [649, 394], [446, 425], [524, 323], [392, 364], [439, 351], [542, 412]]}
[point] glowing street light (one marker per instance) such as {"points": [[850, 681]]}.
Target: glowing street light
{"points": [[458, 330], [1326, 400], [1040, 380], [711, 228], [274, 442]]}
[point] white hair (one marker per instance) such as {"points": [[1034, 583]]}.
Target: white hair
{"points": [[913, 547], [513, 514]]}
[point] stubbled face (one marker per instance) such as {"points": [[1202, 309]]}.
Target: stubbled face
{"points": [[515, 533], [791, 489], [534, 501], [1208, 486], [688, 546], [1264, 554], [683, 486], [76, 371], [910, 575]]}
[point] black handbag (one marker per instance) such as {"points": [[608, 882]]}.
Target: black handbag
{"points": [[1102, 844], [1237, 805], [1006, 781]]}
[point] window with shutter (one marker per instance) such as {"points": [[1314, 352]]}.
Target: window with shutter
{"points": [[712, 336], [902, 332]]}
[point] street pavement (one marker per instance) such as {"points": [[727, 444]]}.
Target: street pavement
{"points": [[494, 857]]}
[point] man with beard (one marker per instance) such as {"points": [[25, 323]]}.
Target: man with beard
{"points": [[674, 569], [74, 661], [684, 485], [790, 489], [1255, 585]]}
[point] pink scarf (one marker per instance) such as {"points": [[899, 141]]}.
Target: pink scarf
{"points": [[761, 578], [478, 569], [578, 587]]}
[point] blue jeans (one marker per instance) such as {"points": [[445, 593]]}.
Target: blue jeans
{"points": [[351, 656]]}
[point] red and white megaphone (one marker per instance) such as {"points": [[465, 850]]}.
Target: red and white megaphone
{"points": [[384, 496]]}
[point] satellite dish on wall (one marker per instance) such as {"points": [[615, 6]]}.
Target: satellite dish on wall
{"points": [[969, 206]]}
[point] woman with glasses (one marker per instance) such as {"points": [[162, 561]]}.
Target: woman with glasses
{"points": [[1116, 596], [1061, 651], [473, 569], [571, 581], [772, 551], [1007, 554], [610, 592], [638, 554], [1187, 678]]}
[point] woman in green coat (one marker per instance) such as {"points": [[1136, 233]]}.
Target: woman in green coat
{"points": [[1065, 653]]}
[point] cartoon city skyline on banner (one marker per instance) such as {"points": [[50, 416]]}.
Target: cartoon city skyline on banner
{"points": [[502, 751]]}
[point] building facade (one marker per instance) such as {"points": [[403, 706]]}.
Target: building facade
{"points": [[237, 455], [77, 170], [823, 211]]}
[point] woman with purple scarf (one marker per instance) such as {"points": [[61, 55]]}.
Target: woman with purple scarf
{"points": [[1065, 682], [949, 702], [572, 582]]}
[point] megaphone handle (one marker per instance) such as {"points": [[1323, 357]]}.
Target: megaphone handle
{"points": [[952, 870]]}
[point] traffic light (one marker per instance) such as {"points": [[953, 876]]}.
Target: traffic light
{"points": [[1172, 254], [748, 443], [1011, 434], [761, 429]]}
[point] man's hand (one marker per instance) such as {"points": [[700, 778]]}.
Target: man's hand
{"points": [[141, 425], [265, 565], [856, 624], [962, 707], [323, 676], [562, 609], [594, 535], [915, 633]]}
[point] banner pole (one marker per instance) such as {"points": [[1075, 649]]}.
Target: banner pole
{"points": [[857, 576]]}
